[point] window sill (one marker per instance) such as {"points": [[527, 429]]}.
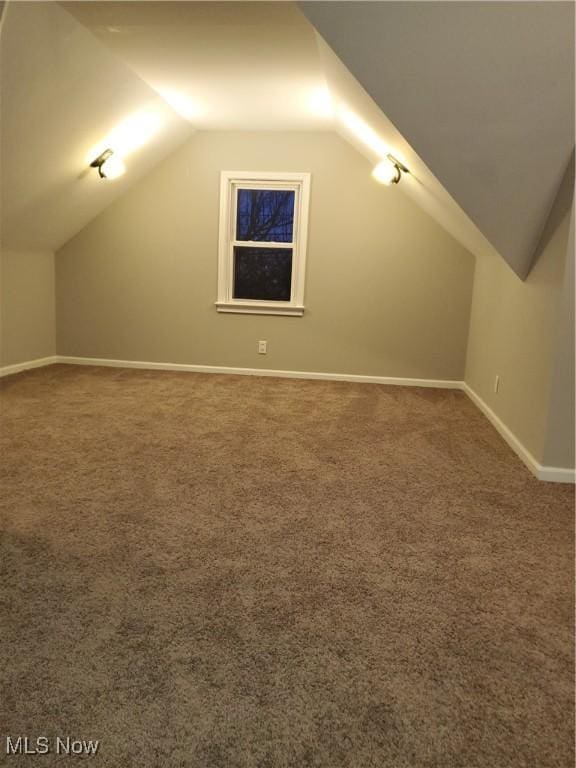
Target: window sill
{"points": [[248, 308]]}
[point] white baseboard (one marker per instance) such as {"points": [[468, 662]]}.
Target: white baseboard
{"points": [[550, 474], [358, 379], [40, 362], [556, 474]]}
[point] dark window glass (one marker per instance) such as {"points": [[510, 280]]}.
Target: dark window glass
{"points": [[265, 214], [262, 273]]}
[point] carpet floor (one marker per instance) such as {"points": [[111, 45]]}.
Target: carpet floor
{"points": [[233, 572]]}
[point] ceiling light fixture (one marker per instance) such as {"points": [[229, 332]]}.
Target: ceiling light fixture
{"points": [[109, 167], [389, 171]]}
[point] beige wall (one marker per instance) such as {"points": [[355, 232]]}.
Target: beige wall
{"points": [[559, 447], [387, 293], [27, 322], [513, 334]]}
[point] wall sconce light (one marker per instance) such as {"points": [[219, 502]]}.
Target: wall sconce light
{"points": [[389, 171], [109, 167]]}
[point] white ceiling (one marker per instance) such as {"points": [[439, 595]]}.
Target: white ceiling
{"points": [[484, 93], [72, 72], [61, 93], [243, 66], [259, 66]]}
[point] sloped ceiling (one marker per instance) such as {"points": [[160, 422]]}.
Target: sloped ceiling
{"points": [[361, 122], [482, 91], [72, 73], [484, 168], [228, 65], [261, 66], [61, 93]]}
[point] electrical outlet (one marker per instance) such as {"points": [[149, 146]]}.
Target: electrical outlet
{"points": [[262, 347], [497, 384]]}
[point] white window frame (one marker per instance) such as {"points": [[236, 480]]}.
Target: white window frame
{"points": [[230, 181]]}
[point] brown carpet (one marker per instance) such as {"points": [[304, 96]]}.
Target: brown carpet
{"points": [[236, 572]]}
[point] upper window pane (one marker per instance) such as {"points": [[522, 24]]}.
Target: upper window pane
{"points": [[265, 214]]}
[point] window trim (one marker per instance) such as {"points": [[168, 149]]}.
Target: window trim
{"points": [[229, 181]]}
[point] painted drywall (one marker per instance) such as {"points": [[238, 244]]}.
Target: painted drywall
{"points": [[231, 66], [62, 93], [513, 334], [387, 293], [360, 121], [27, 316], [198, 49], [484, 93], [559, 446], [220, 66]]}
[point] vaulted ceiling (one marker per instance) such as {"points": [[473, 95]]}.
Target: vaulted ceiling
{"points": [[225, 65], [482, 91], [61, 93], [476, 102]]}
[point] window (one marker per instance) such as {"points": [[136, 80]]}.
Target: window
{"points": [[262, 249]]}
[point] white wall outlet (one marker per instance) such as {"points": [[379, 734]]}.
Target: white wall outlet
{"points": [[497, 383], [262, 347]]}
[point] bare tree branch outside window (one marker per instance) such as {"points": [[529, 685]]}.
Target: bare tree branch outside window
{"points": [[265, 215]]}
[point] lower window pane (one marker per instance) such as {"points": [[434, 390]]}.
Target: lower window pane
{"points": [[262, 273]]}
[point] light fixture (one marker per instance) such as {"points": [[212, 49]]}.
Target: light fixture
{"points": [[125, 138], [389, 171], [109, 167]]}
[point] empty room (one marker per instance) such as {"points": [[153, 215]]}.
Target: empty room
{"points": [[287, 384]]}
